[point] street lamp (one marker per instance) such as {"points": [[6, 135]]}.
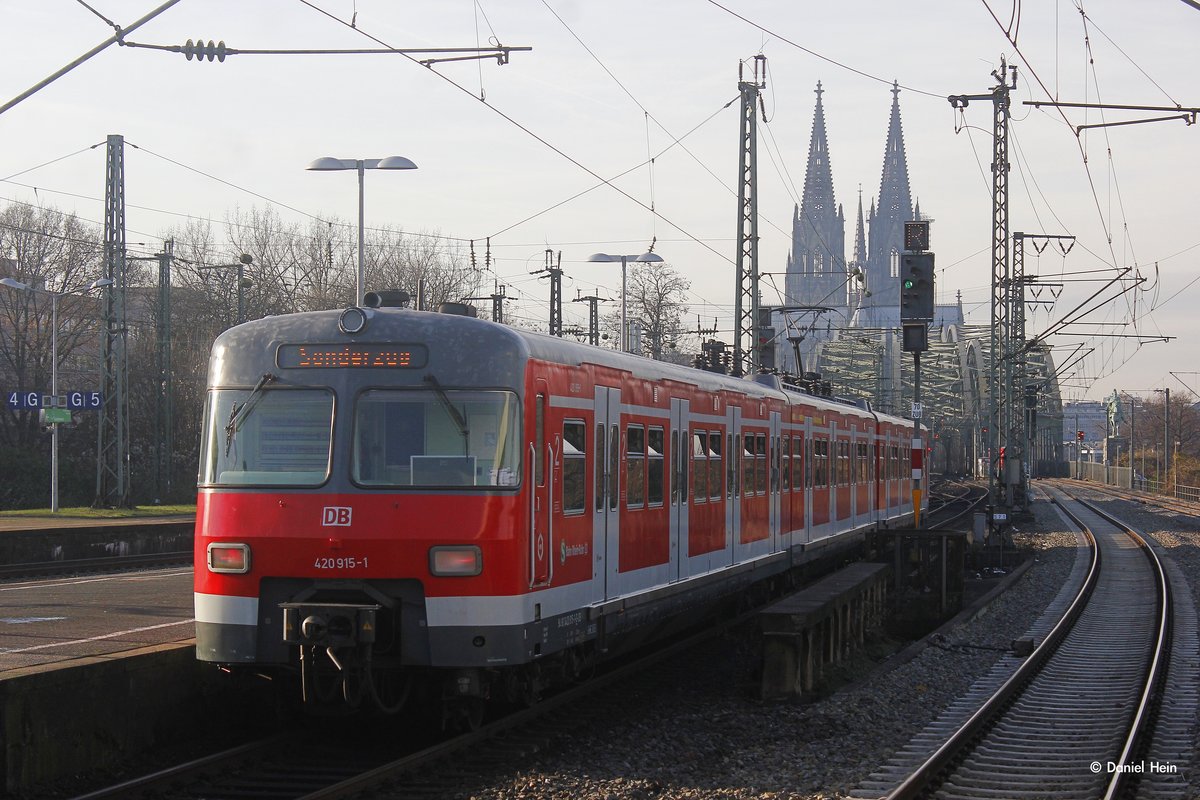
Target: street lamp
{"points": [[13, 283], [644, 258], [327, 164]]}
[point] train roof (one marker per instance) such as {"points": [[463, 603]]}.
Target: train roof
{"points": [[463, 336]]}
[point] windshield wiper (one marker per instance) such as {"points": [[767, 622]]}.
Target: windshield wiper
{"points": [[238, 413], [455, 414]]}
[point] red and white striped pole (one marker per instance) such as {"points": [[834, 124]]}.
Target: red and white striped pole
{"points": [[918, 445], [918, 463]]}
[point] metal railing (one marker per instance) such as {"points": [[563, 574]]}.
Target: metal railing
{"points": [[1126, 478]]}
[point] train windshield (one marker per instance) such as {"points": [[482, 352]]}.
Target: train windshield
{"points": [[436, 437], [267, 437]]}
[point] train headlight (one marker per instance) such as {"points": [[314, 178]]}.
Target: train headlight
{"points": [[230, 558], [455, 560], [354, 319]]}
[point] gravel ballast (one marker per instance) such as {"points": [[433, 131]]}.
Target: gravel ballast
{"points": [[700, 734]]}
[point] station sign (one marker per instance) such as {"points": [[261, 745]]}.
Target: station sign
{"points": [[75, 401], [55, 416], [84, 401]]}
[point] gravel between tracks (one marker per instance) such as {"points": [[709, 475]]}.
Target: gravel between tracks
{"points": [[702, 737]]}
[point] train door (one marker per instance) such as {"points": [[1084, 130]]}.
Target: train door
{"points": [[606, 477], [680, 460], [774, 489], [807, 459], [733, 480], [854, 477], [539, 514]]}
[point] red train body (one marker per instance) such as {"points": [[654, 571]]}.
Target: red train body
{"points": [[390, 495]]}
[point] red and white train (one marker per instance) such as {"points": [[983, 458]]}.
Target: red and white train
{"points": [[393, 498]]}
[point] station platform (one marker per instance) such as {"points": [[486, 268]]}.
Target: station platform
{"points": [[55, 620], [52, 522]]}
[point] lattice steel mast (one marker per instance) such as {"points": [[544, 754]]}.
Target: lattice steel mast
{"points": [[745, 359], [112, 446], [1000, 373]]}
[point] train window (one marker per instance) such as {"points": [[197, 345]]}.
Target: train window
{"points": [[798, 462], [760, 463], [700, 466], [539, 442], [714, 465], [679, 464], [676, 471], [574, 466], [614, 460], [809, 457], [635, 466], [267, 437], [731, 467], [785, 460], [599, 461], [748, 464], [843, 463], [441, 438], [655, 463], [820, 463]]}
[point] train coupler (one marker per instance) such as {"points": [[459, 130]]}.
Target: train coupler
{"points": [[328, 624]]}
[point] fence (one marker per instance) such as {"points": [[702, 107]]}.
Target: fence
{"points": [[1125, 478]]}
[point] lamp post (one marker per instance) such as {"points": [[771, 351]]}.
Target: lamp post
{"points": [[13, 283], [244, 260], [644, 258], [327, 164]]}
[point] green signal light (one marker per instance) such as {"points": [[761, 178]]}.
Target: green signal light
{"points": [[909, 283]]}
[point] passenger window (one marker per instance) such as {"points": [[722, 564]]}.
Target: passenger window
{"points": [[599, 462], [714, 465], [635, 466], [539, 456], [677, 471], [614, 460], [798, 462], [785, 458], [655, 466], [574, 466], [760, 463], [748, 464]]}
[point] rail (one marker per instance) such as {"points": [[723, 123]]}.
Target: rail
{"points": [[1013, 693]]}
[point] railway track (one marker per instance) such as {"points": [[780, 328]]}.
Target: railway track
{"points": [[1075, 718], [320, 765]]}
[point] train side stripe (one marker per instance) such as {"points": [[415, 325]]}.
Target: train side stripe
{"points": [[226, 609]]}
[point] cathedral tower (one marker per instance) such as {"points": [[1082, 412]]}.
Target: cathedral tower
{"points": [[886, 229], [816, 266]]}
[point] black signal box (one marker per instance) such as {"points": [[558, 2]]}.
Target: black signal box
{"points": [[916, 287]]}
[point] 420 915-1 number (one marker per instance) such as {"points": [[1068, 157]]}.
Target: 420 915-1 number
{"points": [[348, 562]]}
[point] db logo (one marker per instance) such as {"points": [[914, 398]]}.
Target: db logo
{"points": [[337, 516]]}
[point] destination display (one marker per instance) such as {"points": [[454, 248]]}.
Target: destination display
{"points": [[352, 356]]}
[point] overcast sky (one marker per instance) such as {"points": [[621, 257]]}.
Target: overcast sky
{"points": [[608, 84]]}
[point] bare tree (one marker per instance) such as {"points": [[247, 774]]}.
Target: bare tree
{"points": [[53, 252], [405, 261], [656, 301]]}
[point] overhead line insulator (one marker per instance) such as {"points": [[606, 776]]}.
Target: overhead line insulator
{"points": [[200, 51]]}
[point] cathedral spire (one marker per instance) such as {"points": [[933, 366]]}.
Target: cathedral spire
{"points": [[817, 267], [895, 198], [885, 234], [818, 179], [860, 237]]}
